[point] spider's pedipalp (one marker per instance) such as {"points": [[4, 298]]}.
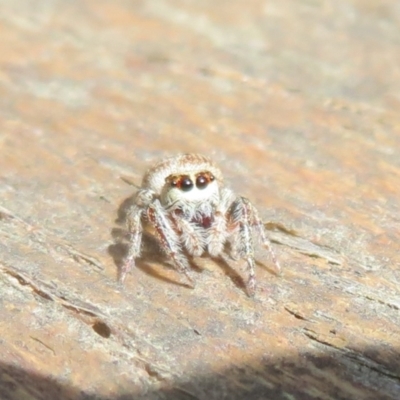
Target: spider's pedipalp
{"points": [[192, 238], [168, 238], [218, 231], [217, 234]]}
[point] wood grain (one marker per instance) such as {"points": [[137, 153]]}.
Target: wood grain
{"points": [[298, 102]]}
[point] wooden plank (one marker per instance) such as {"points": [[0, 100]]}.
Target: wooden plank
{"points": [[298, 102]]}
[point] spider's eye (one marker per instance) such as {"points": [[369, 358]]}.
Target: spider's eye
{"points": [[201, 182], [186, 184]]}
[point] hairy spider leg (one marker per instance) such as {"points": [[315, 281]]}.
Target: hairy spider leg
{"points": [[263, 238], [168, 238], [135, 240], [242, 211]]}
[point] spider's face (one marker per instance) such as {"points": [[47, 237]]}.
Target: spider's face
{"points": [[191, 188]]}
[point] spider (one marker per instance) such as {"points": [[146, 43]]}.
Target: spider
{"points": [[184, 199]]}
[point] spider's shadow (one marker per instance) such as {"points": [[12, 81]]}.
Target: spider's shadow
{"points": [[229, 271], [225, 263], [152, 253]]}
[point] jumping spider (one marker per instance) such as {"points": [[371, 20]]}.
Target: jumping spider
{"points": [[184, 199]]}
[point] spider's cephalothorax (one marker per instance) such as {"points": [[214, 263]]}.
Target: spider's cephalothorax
{"points": [[184, 199]]}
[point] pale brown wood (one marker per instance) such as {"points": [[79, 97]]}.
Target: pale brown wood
{"points": [[299, 104]]}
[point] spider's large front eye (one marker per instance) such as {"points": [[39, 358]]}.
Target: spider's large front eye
{"points": [[186, 184], [203, 180]]}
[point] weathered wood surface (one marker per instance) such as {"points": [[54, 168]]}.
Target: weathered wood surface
{"points": [[299, 102]]}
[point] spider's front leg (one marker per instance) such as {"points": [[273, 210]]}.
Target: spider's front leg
{"points": [[245, 216], [135, 230], [242, 244], [168, 237], [263, 237]]}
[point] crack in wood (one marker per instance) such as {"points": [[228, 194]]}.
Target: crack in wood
{"points": [[25, 281], [45, 239], [95, 316], [361, 291], [304, 246], [352, 355], [43, 344], [78, 255], [296, 314], [98, 322]]}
